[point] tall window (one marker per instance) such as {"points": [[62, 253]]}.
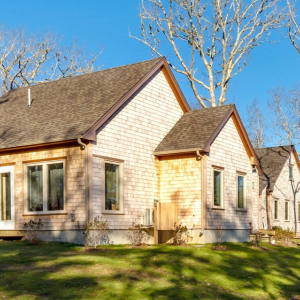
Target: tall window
{"points": [[276, 209], [286, 211], [5, 185], [112, 180], [45, 186], [291, 175], [241, 192], [217, 188]]}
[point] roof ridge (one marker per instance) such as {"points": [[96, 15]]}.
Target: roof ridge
{"points": [[212, 107], [274, 147]]}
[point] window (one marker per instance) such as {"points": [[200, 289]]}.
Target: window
{"points": [[5, 186], [241, 192], [217, 188], [286, 211], [113, 194], [276, 209], [45, 186], [291, 175]]}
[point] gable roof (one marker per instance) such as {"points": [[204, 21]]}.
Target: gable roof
{"points": [[74, 107], [194, 129], [272, 161]]}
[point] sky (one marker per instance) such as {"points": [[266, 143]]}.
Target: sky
{"points": [[106, 24]]}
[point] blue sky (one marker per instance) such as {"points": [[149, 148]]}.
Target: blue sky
{"points": [[107, 23]]}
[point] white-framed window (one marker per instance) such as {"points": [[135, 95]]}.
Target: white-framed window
{"points": [[291, 172], [241, 191], [276, 216], [45, 186], [286, 211], [217, 187], [112, 183]]}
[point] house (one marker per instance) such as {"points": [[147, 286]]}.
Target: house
{"points": [[117, 143], [279, 188]]}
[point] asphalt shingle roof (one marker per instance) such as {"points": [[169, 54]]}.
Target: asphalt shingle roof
{"points": [[193, 129], [65, 109], [271, 161]]}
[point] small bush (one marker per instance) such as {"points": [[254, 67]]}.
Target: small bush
{"points": [[136, 235], [283, 236], [32, 229], [97, 233], [181, 235]]}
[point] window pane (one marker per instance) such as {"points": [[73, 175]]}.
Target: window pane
{"points": [[217, 188], [286, 210], [56, 186], [35, 188], [5, 197], [291, 172], [112, 187], [276, 209], [241, 192]]}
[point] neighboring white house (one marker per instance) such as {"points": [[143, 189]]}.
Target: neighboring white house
{"points": [[279, 188]]}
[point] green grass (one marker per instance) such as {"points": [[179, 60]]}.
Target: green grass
{"points": [[64, 271]]}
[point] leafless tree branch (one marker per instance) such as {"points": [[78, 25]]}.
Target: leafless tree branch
{"points": [[214, 36], [27, 59]]}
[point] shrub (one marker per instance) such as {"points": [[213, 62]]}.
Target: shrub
{"points": [[97, 233], [32, 229], [181, 235], [283, 236], [137, 235]]}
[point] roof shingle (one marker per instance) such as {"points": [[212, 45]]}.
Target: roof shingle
{"points": [[271, 161], [193, 129], [65, 109]]}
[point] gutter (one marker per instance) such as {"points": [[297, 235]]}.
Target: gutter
{"points": [[84, 147]]}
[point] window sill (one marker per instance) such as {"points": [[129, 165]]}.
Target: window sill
{"points": [[45, 213], [218, 208], [241, 210], [276, 220], [112, 213], [287, 221]]}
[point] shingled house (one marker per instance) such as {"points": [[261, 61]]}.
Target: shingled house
{"points": [[279, 188], [114, 143]]}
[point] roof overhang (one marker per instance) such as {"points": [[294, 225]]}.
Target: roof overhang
{"points": [[161, 65]]}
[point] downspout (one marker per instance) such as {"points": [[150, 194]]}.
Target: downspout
{"points": [[84, 146], [203, 177]]}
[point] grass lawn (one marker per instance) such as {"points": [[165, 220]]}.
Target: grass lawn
{"points": [[64, 271]]}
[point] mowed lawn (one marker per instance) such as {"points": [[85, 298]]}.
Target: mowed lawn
{"points": [[64, 271]]}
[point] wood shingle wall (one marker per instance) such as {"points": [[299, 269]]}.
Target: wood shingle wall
{"points": [[131, 136], [75, 183]]}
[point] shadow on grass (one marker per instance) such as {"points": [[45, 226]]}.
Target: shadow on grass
{"points": [[62, 271]]}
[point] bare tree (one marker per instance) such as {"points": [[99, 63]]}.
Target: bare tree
{"points": [[293, 27], [215, 37], [27, 59], [256, 125], [284, 106]]}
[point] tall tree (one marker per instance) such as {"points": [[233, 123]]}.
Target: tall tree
{"points": [[293, 25], [211, 40], [284, 106], [256, 125], [27, 59]]}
